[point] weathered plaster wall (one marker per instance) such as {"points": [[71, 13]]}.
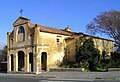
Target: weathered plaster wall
{"points": [[55, 45], [47, 42], [73, 44]]}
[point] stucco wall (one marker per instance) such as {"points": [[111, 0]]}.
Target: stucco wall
{"points": [[73, 44], [55, 50], [57, 46]]}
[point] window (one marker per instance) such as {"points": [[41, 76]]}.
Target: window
{"points": [[20, 34], [21, 30], [58, 40]]}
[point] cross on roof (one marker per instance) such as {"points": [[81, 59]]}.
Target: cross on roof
{"points": [[21, 10]]}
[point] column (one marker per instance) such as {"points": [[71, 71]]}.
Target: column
{"points": [[16, 62], [8, 52], [34, 63], [37, 67], [27, 62], [40, 66], [8, 63]]}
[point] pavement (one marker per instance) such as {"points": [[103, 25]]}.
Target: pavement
{"points": [[71, 75]]}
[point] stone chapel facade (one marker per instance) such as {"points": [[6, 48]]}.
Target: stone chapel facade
{"points": [[34, 48]]}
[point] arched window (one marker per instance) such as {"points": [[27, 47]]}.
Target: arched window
{"points": [[20, 34], [21, 30]]}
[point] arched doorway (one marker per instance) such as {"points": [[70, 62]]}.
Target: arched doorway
{"points": [[31, 62], [44, 61], [12, 64], [21, 61]]}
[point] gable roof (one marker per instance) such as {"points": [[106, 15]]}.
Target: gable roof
{"points": [[23, 18]]}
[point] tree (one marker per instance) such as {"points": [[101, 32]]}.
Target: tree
{"points": [[118, 50], [89, 55], [107, 23], [3, 56], [115, 59]]}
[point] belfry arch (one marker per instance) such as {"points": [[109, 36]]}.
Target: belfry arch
{"points": [[20, 34]]}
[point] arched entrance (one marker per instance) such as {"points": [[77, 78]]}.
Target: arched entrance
{"points": [[21, 61], [31, 62], [12, 64], [44, 61]]}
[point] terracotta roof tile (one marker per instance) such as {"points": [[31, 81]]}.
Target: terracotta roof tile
{"points": [[51, 30], [31, 25], [60, 31], [54, 30]]}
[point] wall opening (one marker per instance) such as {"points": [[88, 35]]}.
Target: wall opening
{"points": [[20, 34], [12, 64], [31, 62], [21, 61], [44, 61]]}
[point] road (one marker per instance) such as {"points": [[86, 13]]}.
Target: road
{"points": [[34, 79]]}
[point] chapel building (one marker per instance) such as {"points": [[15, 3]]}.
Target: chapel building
{"points": [[35, 48]]}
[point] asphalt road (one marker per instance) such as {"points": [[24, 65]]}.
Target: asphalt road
{"points": [[34, 79]]}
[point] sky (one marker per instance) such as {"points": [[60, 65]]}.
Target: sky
{"points": [[54, 13]]}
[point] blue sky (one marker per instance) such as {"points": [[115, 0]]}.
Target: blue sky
{"points": [[55, 13]]}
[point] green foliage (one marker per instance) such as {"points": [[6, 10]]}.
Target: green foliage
{"points": [[3, 56], [115, 59], [4, 51], [112, 62], [88, 55], [66, 64], [118, 50]]}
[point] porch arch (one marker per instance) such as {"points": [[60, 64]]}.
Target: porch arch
{"points": [[12, 62], [31, 62], [21, 61]]}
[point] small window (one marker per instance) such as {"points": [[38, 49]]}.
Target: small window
{"points": [[58, 40]]}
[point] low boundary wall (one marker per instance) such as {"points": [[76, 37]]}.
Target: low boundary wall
{"points": [[66, 69], [113, 69]]}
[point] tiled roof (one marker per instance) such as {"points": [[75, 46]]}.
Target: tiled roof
{"points": [[54, 30], [51, 30], [31, 25], [98, 37], [62, 32]]}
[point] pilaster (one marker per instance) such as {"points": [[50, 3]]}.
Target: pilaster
{"points": [[16, 62], [34, 63], [27, 63], [8, 63], [40, 66], [8, 52]]}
